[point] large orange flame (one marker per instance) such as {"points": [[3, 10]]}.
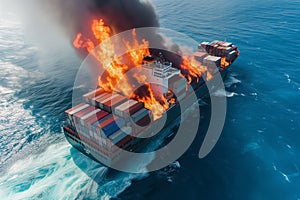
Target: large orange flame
{"points": [[195, 69], [137, 51], [115, 79]]}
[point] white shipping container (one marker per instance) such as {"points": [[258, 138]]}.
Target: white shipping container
{"points": [[88, 115], [96, 100], [78, 109], [227, 44], [123, 109]]}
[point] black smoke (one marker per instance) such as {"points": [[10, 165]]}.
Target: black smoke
{"points": [[45, 18], [121, 15]]}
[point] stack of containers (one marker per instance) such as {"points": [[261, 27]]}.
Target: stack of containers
{"points": [[121, 138], [221, 51], [91, 96], [96, 97], [102, 121], [96, 123], [199, 56], [178, 85], [234, 47], [81, 114], [141, 120], [231, 56], [128, 108], [213, 48], [203, 45], [110, 103], [135, 113], [89, 121], [225, 44], [212, 61], [72, 111]]}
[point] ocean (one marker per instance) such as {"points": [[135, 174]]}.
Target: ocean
{"points": [[257, 156]]}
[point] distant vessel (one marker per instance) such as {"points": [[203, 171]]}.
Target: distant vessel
{"points": [[106, 122]]}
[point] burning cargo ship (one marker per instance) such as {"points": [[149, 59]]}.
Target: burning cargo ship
{"points": [[109, 120]]}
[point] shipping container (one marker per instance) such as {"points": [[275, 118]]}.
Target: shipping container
{"points": [[227, 44], [128, 108], [112, 127], [143, 123], [94, 118], [140, 114], [203, 45], [212, 61], [120, 135], [77, 116], [91, 99], [177, 84], [97, 101], [231, 55], [125, 142], [83, 131], [94, 93], [91, 96], [103, 99], [88, 115], [95, 125], [199, 56], [74, 110], [113, 102]]}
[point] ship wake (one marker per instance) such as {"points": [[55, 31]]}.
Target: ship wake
{"points": [[53, 175]]}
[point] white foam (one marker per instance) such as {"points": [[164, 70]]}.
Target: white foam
{"points": [[285, 177], [231, 80], [224, 93], [54, 175], [51, 173], [288, 77]]}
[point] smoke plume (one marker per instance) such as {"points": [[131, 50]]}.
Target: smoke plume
{"points": [[48, 20], [74, 15]]}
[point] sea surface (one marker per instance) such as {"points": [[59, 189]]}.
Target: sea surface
{"points": [[257, 156]]}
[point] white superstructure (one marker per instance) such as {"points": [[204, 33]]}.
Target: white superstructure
{"points": [[160, 72]]}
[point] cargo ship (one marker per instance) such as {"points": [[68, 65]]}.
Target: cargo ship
{"points": [[106, 123]]}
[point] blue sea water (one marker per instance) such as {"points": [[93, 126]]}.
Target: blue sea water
{"points": [[257, 156]]}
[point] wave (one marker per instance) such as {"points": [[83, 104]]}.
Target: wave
{"points": [[53, 174], [231, 80], [224, 93]]}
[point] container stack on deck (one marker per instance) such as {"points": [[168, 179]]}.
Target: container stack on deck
{"points": [[219, 49], [105, 120], [178, 86]]}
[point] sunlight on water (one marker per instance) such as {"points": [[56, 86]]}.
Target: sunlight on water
{"points": [[51, 174]]}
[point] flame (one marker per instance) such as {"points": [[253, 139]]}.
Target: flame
{"points": [[79, 42], [152, 103], [115, 70], [224, 63], [172, 101], [194, 69], [156, 104], [137, 52], [115, 78]]}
